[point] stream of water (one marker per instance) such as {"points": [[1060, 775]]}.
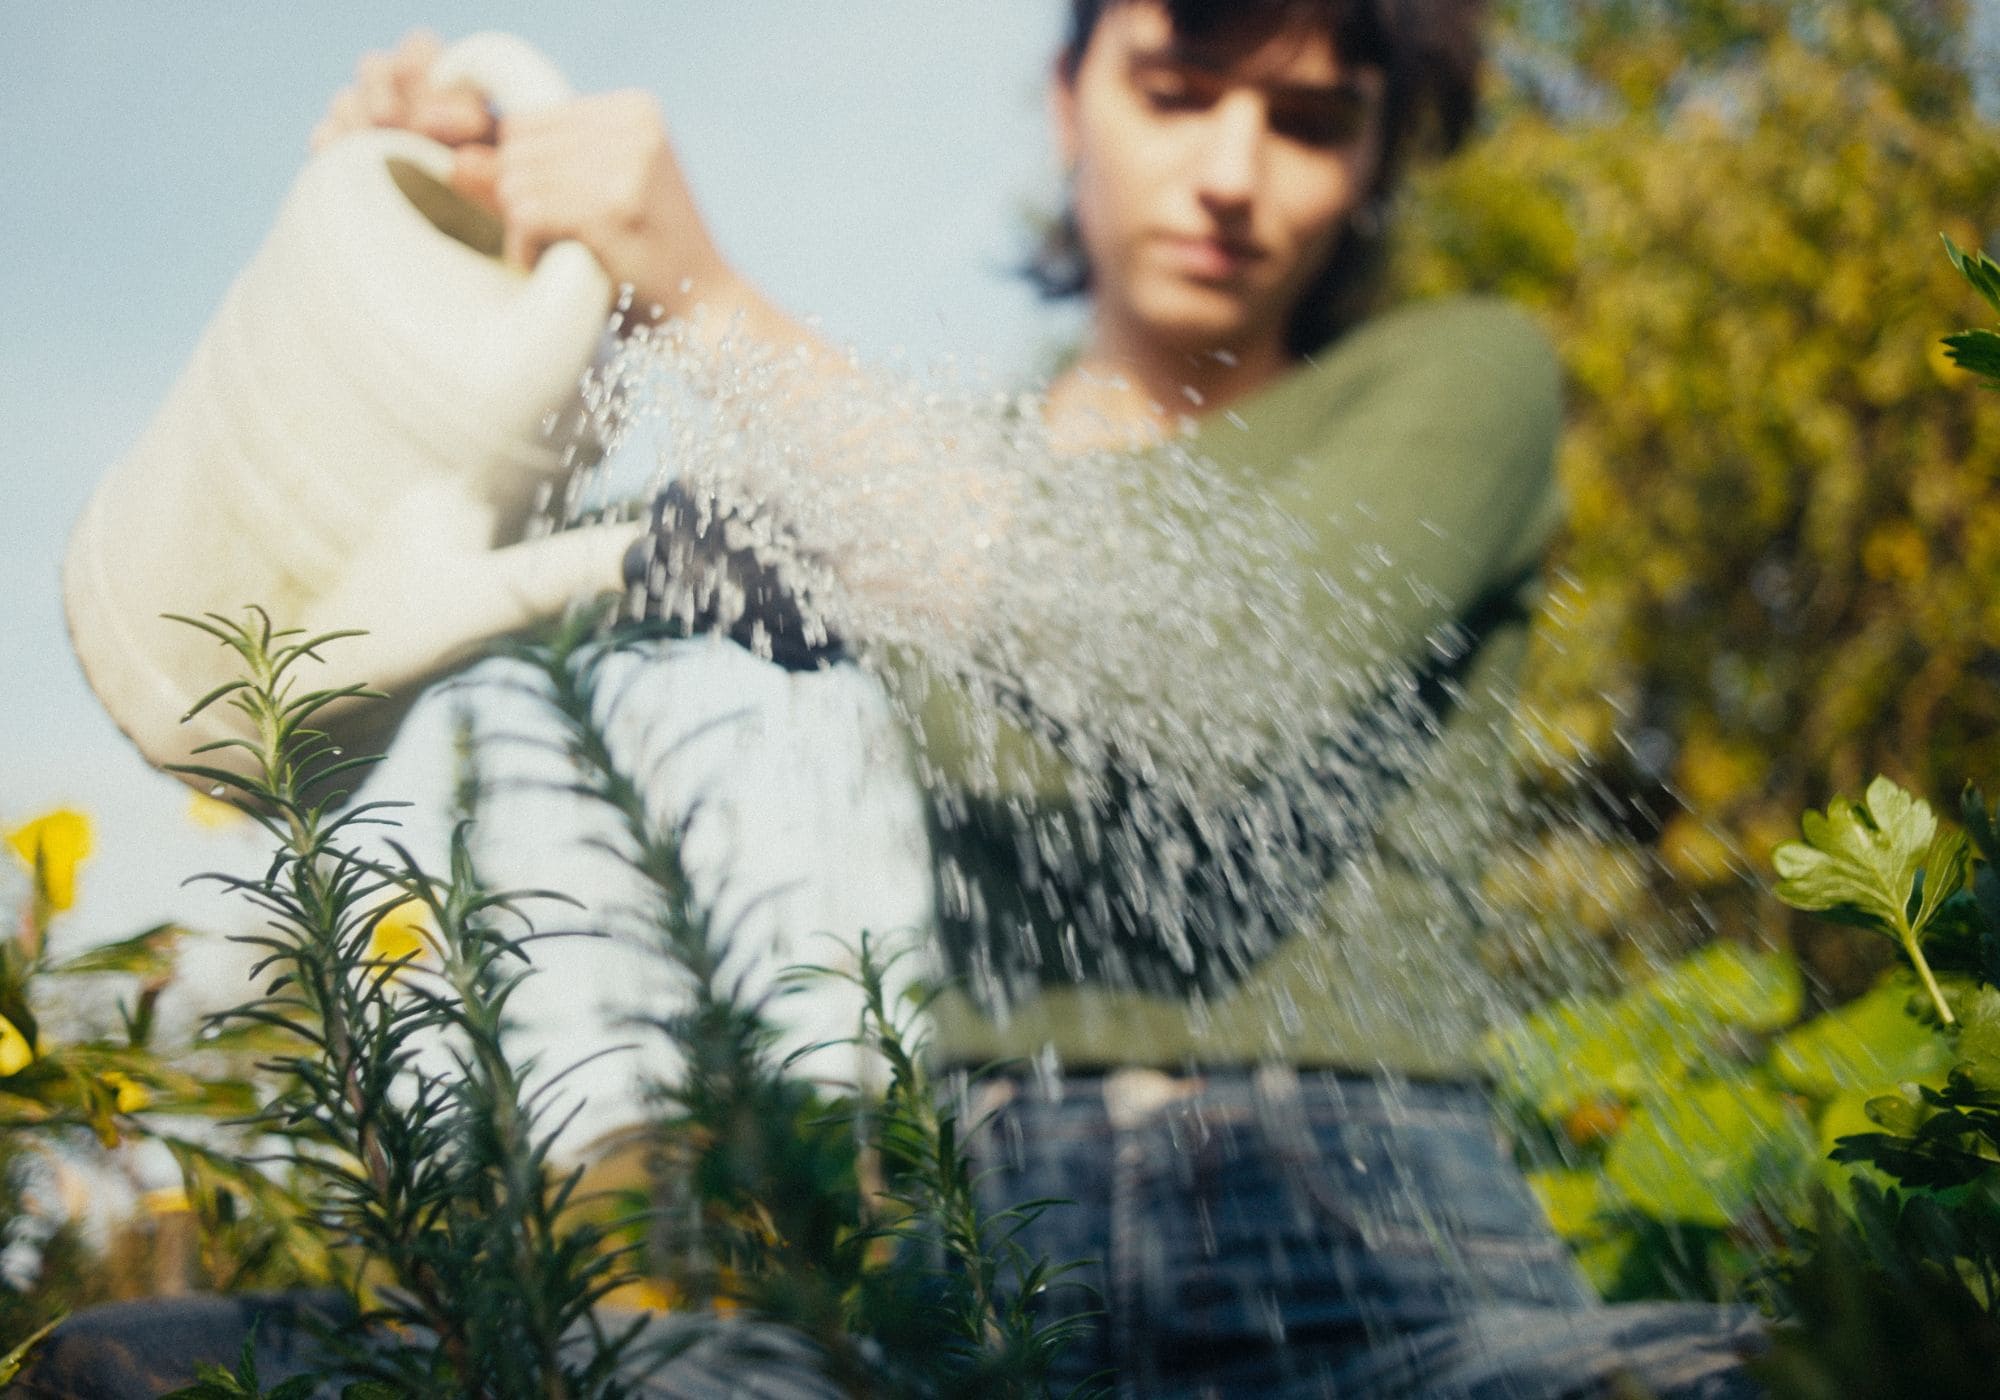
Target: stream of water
{"points": [[1163, 745]]}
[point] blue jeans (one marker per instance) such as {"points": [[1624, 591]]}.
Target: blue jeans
{"points": [[1263, 1235], [1316, 1234]]}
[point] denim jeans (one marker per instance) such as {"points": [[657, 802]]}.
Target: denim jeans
{"points": [[1273, 1233], [1247, 1234]]}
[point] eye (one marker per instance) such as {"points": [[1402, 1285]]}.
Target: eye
{"points": [[1169, 88], [1171, 97], [1329, 122]]}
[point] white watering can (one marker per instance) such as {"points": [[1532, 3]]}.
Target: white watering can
{"points": [[363, 427]]}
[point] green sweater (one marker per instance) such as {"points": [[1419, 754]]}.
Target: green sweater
{"points": [[1424, 438]]}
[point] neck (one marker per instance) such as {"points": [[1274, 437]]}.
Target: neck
{"points": [[1125, 392]]}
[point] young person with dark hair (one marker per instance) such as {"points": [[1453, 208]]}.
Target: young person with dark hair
{"points": [[1285, 1183]]}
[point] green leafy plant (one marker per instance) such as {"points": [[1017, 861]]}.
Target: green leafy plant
{"points": [[214, 1382], [1883, 863], [440, 1180], [1907, 1283], [1685, 1118], [83, 1075], [1976, 351], [993, 1295], [760, 1203], [1663, 1132], [792, 1229], [1777, 576], [17, 1356]]}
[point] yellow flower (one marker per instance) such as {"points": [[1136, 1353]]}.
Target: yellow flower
{"points": [[166, 1200], [211, 812], [52, 846], [128, 1095], [402, 933], [651, 1295], [15, 1052]]}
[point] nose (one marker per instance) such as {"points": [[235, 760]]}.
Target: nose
{"points": [[1231, 151]]}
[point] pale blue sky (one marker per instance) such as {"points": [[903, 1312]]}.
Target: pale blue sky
{"points": [[866, 162]]}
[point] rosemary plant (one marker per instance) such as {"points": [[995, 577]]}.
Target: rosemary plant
{"points": [[757, 1207], [760, 1207], [440, 1182], [990, 1299], [432, 1179]]}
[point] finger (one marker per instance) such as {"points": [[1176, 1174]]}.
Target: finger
{"points": [[415, 53], [475, 173], [375, 80], [525, 132], [530, 216], [343, 115], [525, 238], [453, 116]]}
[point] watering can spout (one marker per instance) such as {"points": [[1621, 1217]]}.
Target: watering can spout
{"points": [[376, 364]]}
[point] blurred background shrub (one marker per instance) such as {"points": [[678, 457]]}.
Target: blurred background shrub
{"points": [[1780, 571]]}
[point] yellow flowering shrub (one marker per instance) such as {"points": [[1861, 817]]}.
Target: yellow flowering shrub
{"points": [[1784, 529], [52, 846], [81, 1076], [402, 934], [16, 1052]]}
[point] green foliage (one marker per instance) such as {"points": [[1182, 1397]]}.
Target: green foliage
{"points": [[1909, 1284], [992, 1296], [17, 1356], [1977, 351], [81, 1078], [1880, 1309], [255, 1226], [1581, 1051], [1903, 1295], [1883, 864], [1710, 1155], [441, 1180], [1687, 1135], [760, 1205], [1861, 1046], [428, 1186], [1784, 516], [1934, 1136], [220, 1383], [1673, 1153]]}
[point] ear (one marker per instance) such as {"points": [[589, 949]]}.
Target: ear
{"points": [[1062, 111]]}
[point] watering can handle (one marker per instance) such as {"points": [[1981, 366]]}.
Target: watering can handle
{"points": [[508, 71], [514, 76]]}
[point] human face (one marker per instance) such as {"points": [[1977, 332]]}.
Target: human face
{"points": [[1210, 191]]}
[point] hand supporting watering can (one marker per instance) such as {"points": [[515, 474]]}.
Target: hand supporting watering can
{"points": [[361, 436]]}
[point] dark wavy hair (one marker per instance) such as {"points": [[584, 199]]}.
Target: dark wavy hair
{"points": [[1429, 52]]}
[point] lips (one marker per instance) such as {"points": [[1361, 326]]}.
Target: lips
{"points": [[1210, 258]]}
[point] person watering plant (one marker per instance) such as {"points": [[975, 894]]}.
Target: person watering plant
{"points": [[1182, 877]]}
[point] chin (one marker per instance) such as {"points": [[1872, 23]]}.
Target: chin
{"points": [[1194, 319], [1199, 323]]}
